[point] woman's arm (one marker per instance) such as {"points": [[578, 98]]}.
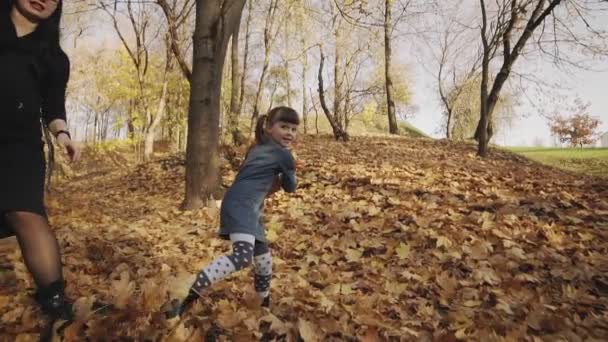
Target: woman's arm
{"points": [[53, 105]]}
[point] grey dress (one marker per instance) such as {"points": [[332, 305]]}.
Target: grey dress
{"points": [[241, 210]]}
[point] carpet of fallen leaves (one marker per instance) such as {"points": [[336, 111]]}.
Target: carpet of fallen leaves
{"points": [[386, 239]]}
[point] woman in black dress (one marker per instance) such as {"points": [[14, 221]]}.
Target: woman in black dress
{"points": [[34, 72]]}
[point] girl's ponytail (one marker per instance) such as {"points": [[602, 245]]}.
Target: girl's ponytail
{"points": [[260, 128]]}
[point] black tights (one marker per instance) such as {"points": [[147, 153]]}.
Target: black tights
{"points": [[39, 246]]}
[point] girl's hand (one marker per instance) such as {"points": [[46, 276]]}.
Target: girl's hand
{"points": [[65, 142], [276, 185]]}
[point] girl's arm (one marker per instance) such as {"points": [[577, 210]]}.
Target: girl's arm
{"points": [[288, 171]]}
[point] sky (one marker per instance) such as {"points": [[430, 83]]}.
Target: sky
{"points": [[530, 126], [589, 86]]}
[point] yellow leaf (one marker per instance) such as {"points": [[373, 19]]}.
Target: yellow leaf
{"points": [[443, 241], [373, 211], [272, 236], [461, 334], [346, 289], [353, 255], [471, 303], [122, 290], [403, 251], [395, 288], [586, 236], [326, 303], [487, 275]]}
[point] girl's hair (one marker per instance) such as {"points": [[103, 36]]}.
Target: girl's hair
{"points": [[275, 115], [47, 30]]}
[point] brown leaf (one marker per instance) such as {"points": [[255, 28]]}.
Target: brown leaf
{"points": [[371, 335], [308, 332]]}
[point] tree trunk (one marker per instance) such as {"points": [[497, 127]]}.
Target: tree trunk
{"points": [[237, 136], [286, 49], [448, 134], [160, 110], [233, 125], [304, 72], [304, 101], [334, 120], [214, 25], [268, 41], [130, 123], [393, 128], [484, 130], [337, 76]]}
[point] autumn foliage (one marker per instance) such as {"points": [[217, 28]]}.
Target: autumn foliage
{"points": [[386, 239], [578, 130]]}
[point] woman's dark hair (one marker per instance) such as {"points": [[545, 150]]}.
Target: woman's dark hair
{"points": [[48, 29], [284, 114]]}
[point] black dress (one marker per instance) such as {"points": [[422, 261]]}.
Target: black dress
{"points": [[32, 87]]}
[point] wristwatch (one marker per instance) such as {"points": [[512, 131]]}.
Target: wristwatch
{"points": [[64, 132]]}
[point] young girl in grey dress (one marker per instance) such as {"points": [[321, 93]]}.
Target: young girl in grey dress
{"points": [[268, 165]]}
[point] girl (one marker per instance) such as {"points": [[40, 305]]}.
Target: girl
{"points": [[33, 75], [267, 165]]}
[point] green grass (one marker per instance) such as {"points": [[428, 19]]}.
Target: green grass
{"points": [[406, 129], [593, 161]]}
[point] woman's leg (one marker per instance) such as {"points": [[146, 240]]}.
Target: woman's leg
{"points": [[40, 252], [39, 246]]}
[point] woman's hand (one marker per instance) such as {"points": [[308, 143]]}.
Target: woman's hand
{"points": [[71, 149]]}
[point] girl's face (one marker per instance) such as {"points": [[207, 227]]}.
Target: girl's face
{"points": [[36, 10], [283, 132]]}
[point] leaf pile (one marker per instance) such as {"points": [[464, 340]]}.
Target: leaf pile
{"points": [[386, 239]]}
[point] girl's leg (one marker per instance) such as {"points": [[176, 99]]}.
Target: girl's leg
{"points": [[263, 270], [220, 268], [40, 252]]}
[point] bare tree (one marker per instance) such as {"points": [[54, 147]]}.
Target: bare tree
{"points": [[271, 30], [456, 64], [236, 79], [140, 19], [334, 119], [177, 14], [361, 14], [507, 30]]}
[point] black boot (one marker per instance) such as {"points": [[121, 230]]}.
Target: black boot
{"points": [[178, 308], [53, 302], [266, 302]]}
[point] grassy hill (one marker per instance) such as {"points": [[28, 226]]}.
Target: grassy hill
{"points": [[592, 161]]}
